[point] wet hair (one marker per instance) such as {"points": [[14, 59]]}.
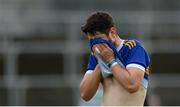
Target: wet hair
{"points": [[99, 22]]}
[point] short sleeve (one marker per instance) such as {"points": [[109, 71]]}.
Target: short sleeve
{"points": [[92, 62], [138, 56]]}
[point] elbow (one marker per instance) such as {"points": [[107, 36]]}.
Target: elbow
{"points": [[84, 93], [85, 97], [132, 88]]}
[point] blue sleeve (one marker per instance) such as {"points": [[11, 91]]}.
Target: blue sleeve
{"points": [[92, 62], [138, 55]]}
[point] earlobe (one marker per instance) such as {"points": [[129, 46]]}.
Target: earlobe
{"points": [[111, 37]]}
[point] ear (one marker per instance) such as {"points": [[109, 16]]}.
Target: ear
{"points": [[112, 34], [112, 37], [113, 30]]}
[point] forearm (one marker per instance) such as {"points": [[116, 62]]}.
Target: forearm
{"points": [[129, 78], [125, 78], [90, 83]]}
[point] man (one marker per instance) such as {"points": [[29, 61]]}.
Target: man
{"points": [[123, 72]]}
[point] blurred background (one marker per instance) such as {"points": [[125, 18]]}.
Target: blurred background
{"points": [[43, 53]]}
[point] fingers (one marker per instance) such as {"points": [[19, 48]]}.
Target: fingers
{"points": [[104, 51], [101, 47], [97, 50], [105, 46]]}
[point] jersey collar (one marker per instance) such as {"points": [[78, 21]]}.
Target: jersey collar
{"points": [[120, 46]]}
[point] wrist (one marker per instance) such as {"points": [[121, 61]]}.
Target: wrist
{"points": [[112, 63]]}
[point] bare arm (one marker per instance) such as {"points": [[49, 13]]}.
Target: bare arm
{"points": [[129, 78], [90, 83]]}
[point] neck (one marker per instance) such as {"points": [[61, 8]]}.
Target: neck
{"points": [[118, 41]]}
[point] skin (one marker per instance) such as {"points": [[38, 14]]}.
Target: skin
{"points": [[128, 81]]}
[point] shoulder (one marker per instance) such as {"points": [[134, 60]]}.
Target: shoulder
{"points": [[132, 43], [134, 47], [137, 55]]}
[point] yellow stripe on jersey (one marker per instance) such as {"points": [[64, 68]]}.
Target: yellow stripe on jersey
{"points": [[147, 70], [134, 42], [130, 43]]}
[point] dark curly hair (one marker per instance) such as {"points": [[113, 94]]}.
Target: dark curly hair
{"points": [[98, 22]]}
